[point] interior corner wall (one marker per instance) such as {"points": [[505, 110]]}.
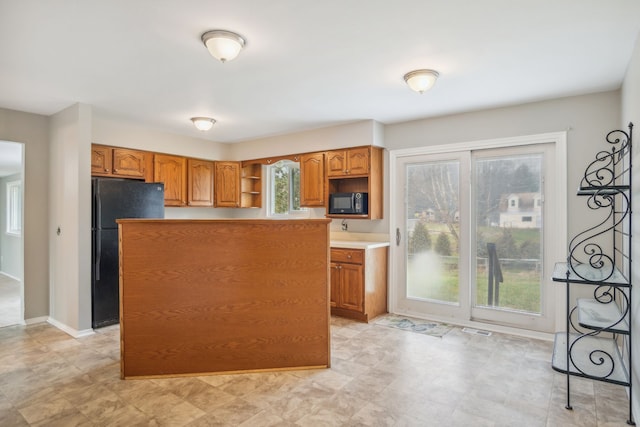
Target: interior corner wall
{"points": [[33, 131], [70, 211], [631, 113]]}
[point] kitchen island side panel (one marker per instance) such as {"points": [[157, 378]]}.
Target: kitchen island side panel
{"points": [[209, 296]]}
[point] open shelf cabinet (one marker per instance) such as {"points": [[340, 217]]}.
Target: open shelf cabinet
{"points": [[596, 343], [251, 185]]}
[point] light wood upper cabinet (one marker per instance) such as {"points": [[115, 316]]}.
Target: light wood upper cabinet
{"points": [[117, 162], [356, 161], [227, 185], [172, 171], [349, 162], [312, 180], [200, 182], [101, 160]]}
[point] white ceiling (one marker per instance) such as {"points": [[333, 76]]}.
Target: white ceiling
{"points": [[307, 63]]}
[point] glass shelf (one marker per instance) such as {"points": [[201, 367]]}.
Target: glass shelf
{"points": [[604, 190], [598, 316], [584, 273], [584, 352]]}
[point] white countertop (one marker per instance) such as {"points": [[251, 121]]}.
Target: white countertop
{"points": [[357, 244]]}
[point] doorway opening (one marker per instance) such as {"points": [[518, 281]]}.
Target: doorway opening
{"points": [[11, 233]]}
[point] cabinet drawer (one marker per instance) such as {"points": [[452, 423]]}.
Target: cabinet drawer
{"points": [[353, 256]]}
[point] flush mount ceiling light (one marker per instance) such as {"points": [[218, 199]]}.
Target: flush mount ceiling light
{"points": [[421, 80], [203, 123], [223, 45]]}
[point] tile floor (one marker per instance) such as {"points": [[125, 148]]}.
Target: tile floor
{"points": [[379, 377], [9, 301]]}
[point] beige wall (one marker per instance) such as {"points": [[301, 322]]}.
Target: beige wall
{"points": [[365, 132], [631, 113], [33, 131], [587, 118], [109, 130], [70, 211]]}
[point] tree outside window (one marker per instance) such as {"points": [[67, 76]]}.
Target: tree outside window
{"points": [[284, 186]]}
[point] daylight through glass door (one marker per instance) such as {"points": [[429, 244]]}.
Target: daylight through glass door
{"points": [[433, 230], [509, 221]]}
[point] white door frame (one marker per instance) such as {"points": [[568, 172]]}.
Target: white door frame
{"points": [[558, 247]]}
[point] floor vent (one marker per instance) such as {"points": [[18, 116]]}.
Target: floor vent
{"points": [[476, 332]]}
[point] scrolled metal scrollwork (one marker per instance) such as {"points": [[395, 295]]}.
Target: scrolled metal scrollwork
{"points": [[603, 171], [597, 358], [585, 249]]}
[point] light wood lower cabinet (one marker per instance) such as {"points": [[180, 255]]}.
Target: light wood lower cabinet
{"points": [[359, 282]]}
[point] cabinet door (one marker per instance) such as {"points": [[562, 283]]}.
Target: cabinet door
{"points": [[172, 171], [352, 287], [336, 163], [312, 180], [101, 160], [200, 182], [227, 185], [335, 285], [358, 161], [128, 163]]}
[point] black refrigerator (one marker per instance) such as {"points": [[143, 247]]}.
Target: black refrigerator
{"points": [[115, 199]]}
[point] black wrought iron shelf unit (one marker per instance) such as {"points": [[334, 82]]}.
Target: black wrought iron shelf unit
{"points": [[596, 343]]}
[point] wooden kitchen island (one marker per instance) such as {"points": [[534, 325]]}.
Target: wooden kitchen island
{"points": [[210, 296]]}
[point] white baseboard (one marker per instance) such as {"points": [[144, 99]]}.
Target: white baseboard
{"points": [[69, 330], [35, 320]]}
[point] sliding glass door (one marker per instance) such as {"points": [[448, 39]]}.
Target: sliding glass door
{"points": [[472, 228]]}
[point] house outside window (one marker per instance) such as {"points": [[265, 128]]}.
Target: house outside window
{"points": [[284, 190], [14, 208]]}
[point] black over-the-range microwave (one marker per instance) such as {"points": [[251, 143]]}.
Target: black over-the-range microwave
{"points": [[349, 203]]}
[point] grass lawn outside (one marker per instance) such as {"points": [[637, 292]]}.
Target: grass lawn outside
{"points": [[433, 277]]}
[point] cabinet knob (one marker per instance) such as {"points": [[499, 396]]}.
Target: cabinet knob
{"points": [[349, 256], [106, 170]]}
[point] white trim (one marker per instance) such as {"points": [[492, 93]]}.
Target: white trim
{"points": [[35, 320], [514, 141], [69, 330]]}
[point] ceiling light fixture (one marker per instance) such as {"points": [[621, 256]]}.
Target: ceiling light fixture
{"points": [[223, 45], [203, 123], [421, 80]]}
